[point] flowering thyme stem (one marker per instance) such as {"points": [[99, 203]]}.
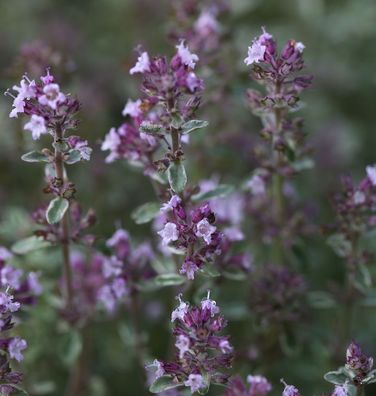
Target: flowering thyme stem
{"points": [[277, 184], [59, 169], [359, 390], [175, 138]]}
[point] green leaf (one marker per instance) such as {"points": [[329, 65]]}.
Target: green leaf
{"points": [[169, 280], [29, 244], [338, 377], [146, 212], [35, 156], [223, 190], [210, 271], [371, 378], [61, 146], [71, 347], [177, 176], [73, 157], [340, 244], [19, 390], [192, 125], [151, 128], [163, 384], [303, 164], [321, 300], [56, 210]]}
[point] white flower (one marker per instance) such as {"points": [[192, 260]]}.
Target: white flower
{"points": [[210, 305], [359, 197], [18, 106], [15, 348], [180, 311], [205, 230], [26, 90], [299, 46], [37, 126], [142, 65], [169, 233], [171, 204], [255, 53], [195, 382], [371, 173], [182, 343], [257, 185], [132, 108], [111, 142], [186, 56], [52, 96]]}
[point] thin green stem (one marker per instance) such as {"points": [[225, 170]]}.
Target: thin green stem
{"points": [[59, 169]]}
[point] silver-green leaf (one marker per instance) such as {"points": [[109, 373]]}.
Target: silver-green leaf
{"points": [[56, 210], [35, 156], [29, 244], [163, 384], [223, 190], [145, 213], [192, 125], [169, 280], [177, 176]]}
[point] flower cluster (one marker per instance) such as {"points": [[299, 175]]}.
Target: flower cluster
{"points": [[25, 287], [358, 362], [283, 152], [277, 295], [202, 352], [79, 223], [355, 217], [11, 347], [171, 96], [198, 22], [191, 231], [258, 386]]}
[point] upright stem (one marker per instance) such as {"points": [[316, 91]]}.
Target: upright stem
{"points": [[277, 183], [59, 168], [175, 138], [359, 390]]}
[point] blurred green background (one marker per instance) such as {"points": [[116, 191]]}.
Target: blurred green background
{"points": [[93, 43]]}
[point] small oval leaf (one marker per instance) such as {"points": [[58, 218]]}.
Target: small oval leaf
{"points": [[336, 377], [56, 210], [169, 280], [29, 244], [223, 190], [162, 384], [192, 125], [73, 156], [145, 213], [35, 156], [177, 176]]}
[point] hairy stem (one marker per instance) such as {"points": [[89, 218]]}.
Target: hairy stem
{"points": [[59, 169]]}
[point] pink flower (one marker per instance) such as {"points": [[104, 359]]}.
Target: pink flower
{"points": [[111, 142], [142, 65], [189, 268], [169, 233], [195, 382], [186, 56], [371, 173], [18, 106], [225, 346], [257, 49], [206, 24], [205, 230], [132, 108], [259, 385], [52, 96], [37, 126], [182, 343]]}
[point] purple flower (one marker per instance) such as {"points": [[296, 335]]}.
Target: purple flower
{"points": [[15, 348], [257, 185], [206, 24], [169, 233], [195, 382], [259, 385], [7, 304], [210, 305], [290, 390], [112, 267], [171, 204], [5, 254], [34, 284], [11, 277], [37, 126], [205, 230], [142, 65], [255, 53], [357, 361], [189, 268], [340, 390]]}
